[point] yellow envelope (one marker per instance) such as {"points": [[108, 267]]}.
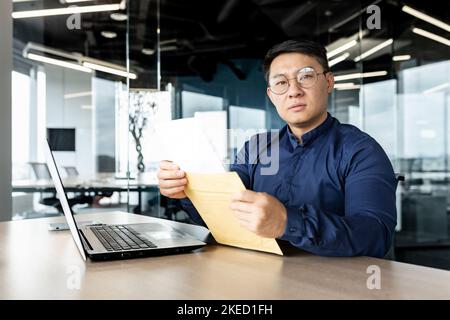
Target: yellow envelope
{"points": [[211, 195]]}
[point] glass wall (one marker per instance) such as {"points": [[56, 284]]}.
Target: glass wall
{"points": [[69, 74], [126, 70]]}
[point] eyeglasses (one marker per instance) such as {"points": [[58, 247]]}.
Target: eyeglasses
{"points": [[306, 78]]}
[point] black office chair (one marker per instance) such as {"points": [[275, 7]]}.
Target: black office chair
{"points": [[42, 173], [390, 255], [71, 171], [89, 198]]}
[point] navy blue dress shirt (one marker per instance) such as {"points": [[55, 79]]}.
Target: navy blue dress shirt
{"points": [[338, 187]]}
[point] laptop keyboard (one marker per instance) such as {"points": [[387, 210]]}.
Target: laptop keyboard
{"points": [[120, 238]]}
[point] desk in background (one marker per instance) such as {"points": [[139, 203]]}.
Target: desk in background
{"points": [[102, 182], [37, 264]]}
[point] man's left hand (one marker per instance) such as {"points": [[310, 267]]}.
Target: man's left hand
{"points": [[260, 213]]}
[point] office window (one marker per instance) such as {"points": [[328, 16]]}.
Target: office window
{"points": [[193, 102]]}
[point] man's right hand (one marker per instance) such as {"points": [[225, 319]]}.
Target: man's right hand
{"points": [[171, 180]]}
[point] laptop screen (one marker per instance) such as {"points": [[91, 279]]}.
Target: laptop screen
{"points": [[63, 198]]}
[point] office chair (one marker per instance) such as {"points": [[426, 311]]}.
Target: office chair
{"points": [[71, 171], [390, 255], [42, 173]]}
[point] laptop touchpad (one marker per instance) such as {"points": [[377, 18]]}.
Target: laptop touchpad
{"points": [[157, 231]]}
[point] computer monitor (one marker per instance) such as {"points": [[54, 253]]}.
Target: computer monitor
{"points": [[61, 139]]}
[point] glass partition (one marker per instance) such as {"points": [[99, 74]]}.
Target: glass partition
{"points": [[98, 84], [69, 73]]}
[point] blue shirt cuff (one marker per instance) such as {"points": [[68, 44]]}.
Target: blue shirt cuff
{"points": [[294, 224], [187, 205]]}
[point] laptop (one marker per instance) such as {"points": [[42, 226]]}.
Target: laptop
{"points": [[110, 242]]}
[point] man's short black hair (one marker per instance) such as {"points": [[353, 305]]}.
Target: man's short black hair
{"points": [[306, 47]]}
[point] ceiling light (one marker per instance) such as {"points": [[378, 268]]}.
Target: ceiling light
{"points": [[342, 48], [109, 34], [373, 50], [79, 62], [148, 51], [344, 85], [360, 75], [73, 1], [110, 70], [118, 16], [338, 59], [427, 18], [431, 36], [65, 11], [437, 88], [352, 87], [401, 57], [59, 63], [78, 95]]}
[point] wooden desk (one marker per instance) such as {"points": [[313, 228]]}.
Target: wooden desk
{"points": [[37, 264]]}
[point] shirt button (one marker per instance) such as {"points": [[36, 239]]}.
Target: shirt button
{"points": [[292, 229]]}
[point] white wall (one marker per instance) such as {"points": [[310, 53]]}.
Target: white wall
{"points": [[5, 109], [71, 113]]}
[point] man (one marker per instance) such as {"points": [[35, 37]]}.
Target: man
{"points": [[334, 192]]}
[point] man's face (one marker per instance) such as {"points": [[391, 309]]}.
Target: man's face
{"points": [[299, 106]]}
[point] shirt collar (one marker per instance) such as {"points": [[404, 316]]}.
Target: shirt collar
{"points": [[311, 135]]}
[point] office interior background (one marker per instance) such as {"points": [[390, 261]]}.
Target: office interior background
{"points": [[97, 80]]}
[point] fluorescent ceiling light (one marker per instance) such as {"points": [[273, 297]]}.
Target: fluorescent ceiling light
{"points": [[437, 88], [148, 51], [110, 70], [59, 63], [427, 18], [346, 86], [73, 1], [78, 95], [360, 75], [118, 16], [353, 87], [78, 61], [338, 59], [373, 50], [401, 57], [431, 36], [342, 48], [109, 34], [65, 11]]}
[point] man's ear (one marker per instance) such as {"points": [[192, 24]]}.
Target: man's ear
{"points": [[330, 82], [269, 94]]}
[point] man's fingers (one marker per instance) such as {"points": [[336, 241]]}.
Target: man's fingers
{"points": [[172, 174], [242, 217], [242, 206], [245, 196], [170, 192], [167, 184], [168, 165]]}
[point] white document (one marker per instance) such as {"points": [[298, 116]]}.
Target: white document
{"points": [[214, 125], [185, 143]]}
